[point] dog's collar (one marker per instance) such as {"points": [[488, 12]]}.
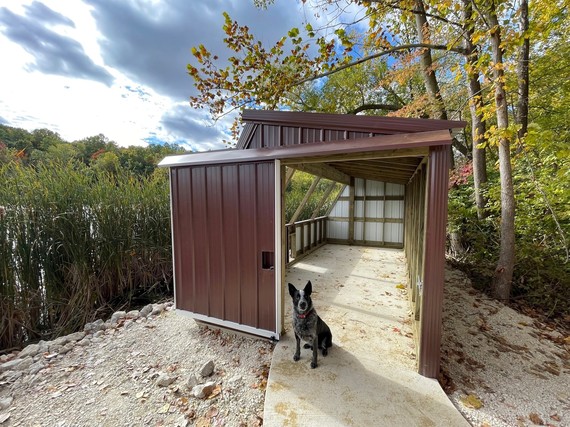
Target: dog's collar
{"points": [[302, 316]]}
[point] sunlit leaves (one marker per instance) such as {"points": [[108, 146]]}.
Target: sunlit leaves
{"points": [[255, 74]]}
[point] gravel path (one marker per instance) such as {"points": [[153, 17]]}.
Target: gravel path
{"points": [[154, 368], [161, 370], [501, 367]]}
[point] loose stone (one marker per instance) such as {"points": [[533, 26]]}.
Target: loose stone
{"points": [[203, 390], [207, 369]]}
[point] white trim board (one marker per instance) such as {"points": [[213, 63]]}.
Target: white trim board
{"points": [[230, 325]]}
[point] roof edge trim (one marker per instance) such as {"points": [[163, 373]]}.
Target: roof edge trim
{"points": [[315, 149]]}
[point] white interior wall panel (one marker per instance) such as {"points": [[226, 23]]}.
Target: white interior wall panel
{"points": [[337, 230], [359, 187], [373, 229], [374, 232]]}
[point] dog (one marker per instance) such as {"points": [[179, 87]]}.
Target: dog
{"points": [[307, 325]]}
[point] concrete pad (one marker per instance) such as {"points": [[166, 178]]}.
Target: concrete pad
{"points": [[369, 377]]}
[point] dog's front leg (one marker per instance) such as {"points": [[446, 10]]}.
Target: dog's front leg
{"points": [[297, 354], [315, 352]]}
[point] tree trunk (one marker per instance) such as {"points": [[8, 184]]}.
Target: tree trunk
{"points": [[502, 280], [430, 80], [523, 73], [475, 108], [438, 110]]}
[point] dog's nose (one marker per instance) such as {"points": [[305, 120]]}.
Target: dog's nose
{"points": [[303, 305]]}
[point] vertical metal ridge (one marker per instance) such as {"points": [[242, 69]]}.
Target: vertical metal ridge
{"points": [[434, 263]]}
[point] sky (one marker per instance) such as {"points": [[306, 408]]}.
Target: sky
{"points": [[118, 67]]}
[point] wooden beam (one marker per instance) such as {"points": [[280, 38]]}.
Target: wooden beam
{"points": [[351, 206], [289, 176], [330, 188], [323, 170], [345, 157], [337, 198], [305, 199]]}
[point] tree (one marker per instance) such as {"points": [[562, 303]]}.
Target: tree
{"points": [[506, 264], [481, 43]]}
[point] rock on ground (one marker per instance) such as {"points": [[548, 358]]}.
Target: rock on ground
{"points": [[138, 368]]}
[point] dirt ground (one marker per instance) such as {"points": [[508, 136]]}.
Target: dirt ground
{"points": [[499, 367]]}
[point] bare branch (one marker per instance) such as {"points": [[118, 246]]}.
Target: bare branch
{"points": [[383, 53], [365, 107]]}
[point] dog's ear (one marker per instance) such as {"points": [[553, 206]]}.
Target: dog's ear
{"points": [[308, 288], [292, 290]]}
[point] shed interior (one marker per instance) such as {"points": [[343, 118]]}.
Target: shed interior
{"points": [[379, 161]]}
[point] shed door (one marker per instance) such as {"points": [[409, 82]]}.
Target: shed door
{"points": [[223, 220]]}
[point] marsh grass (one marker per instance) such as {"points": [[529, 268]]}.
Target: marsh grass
{"points": [[77, 243]]}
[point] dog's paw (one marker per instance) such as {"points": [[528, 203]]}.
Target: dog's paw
{"points": [[313, 365], [296, 357], [325, 352]]}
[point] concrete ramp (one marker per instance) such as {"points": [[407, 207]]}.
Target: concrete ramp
{"points": [[369, 377]]}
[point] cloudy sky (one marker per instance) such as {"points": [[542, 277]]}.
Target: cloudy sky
{"points": [[84, 67]]}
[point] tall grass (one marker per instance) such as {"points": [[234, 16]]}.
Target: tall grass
{"points": [[76, 243]]}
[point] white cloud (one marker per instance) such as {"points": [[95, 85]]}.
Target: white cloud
{"points": [[82, 68]]}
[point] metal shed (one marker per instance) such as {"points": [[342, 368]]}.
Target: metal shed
{"points": [[228, 227]]}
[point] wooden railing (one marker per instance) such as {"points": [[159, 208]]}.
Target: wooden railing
{"points": [[303, 237]]}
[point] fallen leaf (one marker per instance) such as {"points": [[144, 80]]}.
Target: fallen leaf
{"points": [[555, 417], [163, 409], [471, 401], [139, 394], [212, 412], [4, 417], [202, 422], [217, 390], [535, 418], [400, 286]]}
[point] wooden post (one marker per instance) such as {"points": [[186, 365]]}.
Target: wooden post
{"points": [[351, 205]]}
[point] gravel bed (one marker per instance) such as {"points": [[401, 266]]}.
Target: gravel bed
{"points": [[153, 370]]}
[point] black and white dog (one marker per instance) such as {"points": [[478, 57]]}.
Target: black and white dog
{"points": [[308, 326]]}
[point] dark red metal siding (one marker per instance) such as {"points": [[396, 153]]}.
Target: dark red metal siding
{"points": [[248, 263], [265, 234], [231, 236], [434, 261], [216, 295], [200, 241], [290, 135], [183, 236], [271, 136], [223, 220]]}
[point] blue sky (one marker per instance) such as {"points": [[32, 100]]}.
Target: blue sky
{"points": [[81, 68]]}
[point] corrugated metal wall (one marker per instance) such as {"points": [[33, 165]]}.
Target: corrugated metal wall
{"points": [[378, 214], [224, 239]]}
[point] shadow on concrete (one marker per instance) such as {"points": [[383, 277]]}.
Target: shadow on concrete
{"points": [[369, 377]]}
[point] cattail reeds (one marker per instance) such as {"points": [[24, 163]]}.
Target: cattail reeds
{"points": [[77, 243]]}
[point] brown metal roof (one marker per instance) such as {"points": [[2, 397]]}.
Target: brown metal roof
{"points": [[356, 152], [371, 147], [348, 122]]}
